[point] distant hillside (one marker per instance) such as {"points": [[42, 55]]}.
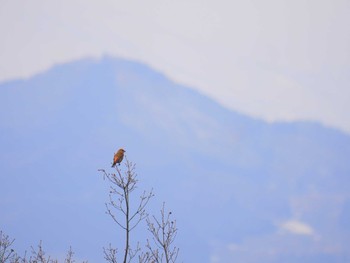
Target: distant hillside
{"points": [[242, 190]]}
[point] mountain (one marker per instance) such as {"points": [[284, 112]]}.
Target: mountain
{"points": [[241, 190]]}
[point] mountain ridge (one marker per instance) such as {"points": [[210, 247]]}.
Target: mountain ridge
{"points": [[239, 178]]}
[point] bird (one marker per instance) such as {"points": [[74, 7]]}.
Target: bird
{"points": [[118, 157]]}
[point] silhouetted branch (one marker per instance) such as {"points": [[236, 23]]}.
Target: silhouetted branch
{"points": [[69, 257], [110, 254], [164, 232], [39, 255], [7, 254]]}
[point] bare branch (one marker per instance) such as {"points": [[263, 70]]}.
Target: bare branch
{"points": [[7, 254], [69, 257], [110, 254], [122, 184], [164, 233]]}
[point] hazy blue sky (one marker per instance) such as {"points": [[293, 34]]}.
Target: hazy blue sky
{"points": [[279, 60]]}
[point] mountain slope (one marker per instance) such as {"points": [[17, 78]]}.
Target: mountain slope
{"points": [[242, 190]]}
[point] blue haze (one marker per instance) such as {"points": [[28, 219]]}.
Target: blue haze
{"points": [[227, 178]]}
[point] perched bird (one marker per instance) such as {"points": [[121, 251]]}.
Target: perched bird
{"points": [[118, 157]]}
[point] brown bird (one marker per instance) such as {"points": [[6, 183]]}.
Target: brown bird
{"points": [[118, 157]]}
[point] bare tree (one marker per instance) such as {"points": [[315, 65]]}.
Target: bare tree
{"points": [[7, 254], [69, 257], [122, 184], [110, 254], [163, 232], [127, 215], [38, 255]]}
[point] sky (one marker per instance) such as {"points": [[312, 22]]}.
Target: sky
{"points": [[276, 60]]}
